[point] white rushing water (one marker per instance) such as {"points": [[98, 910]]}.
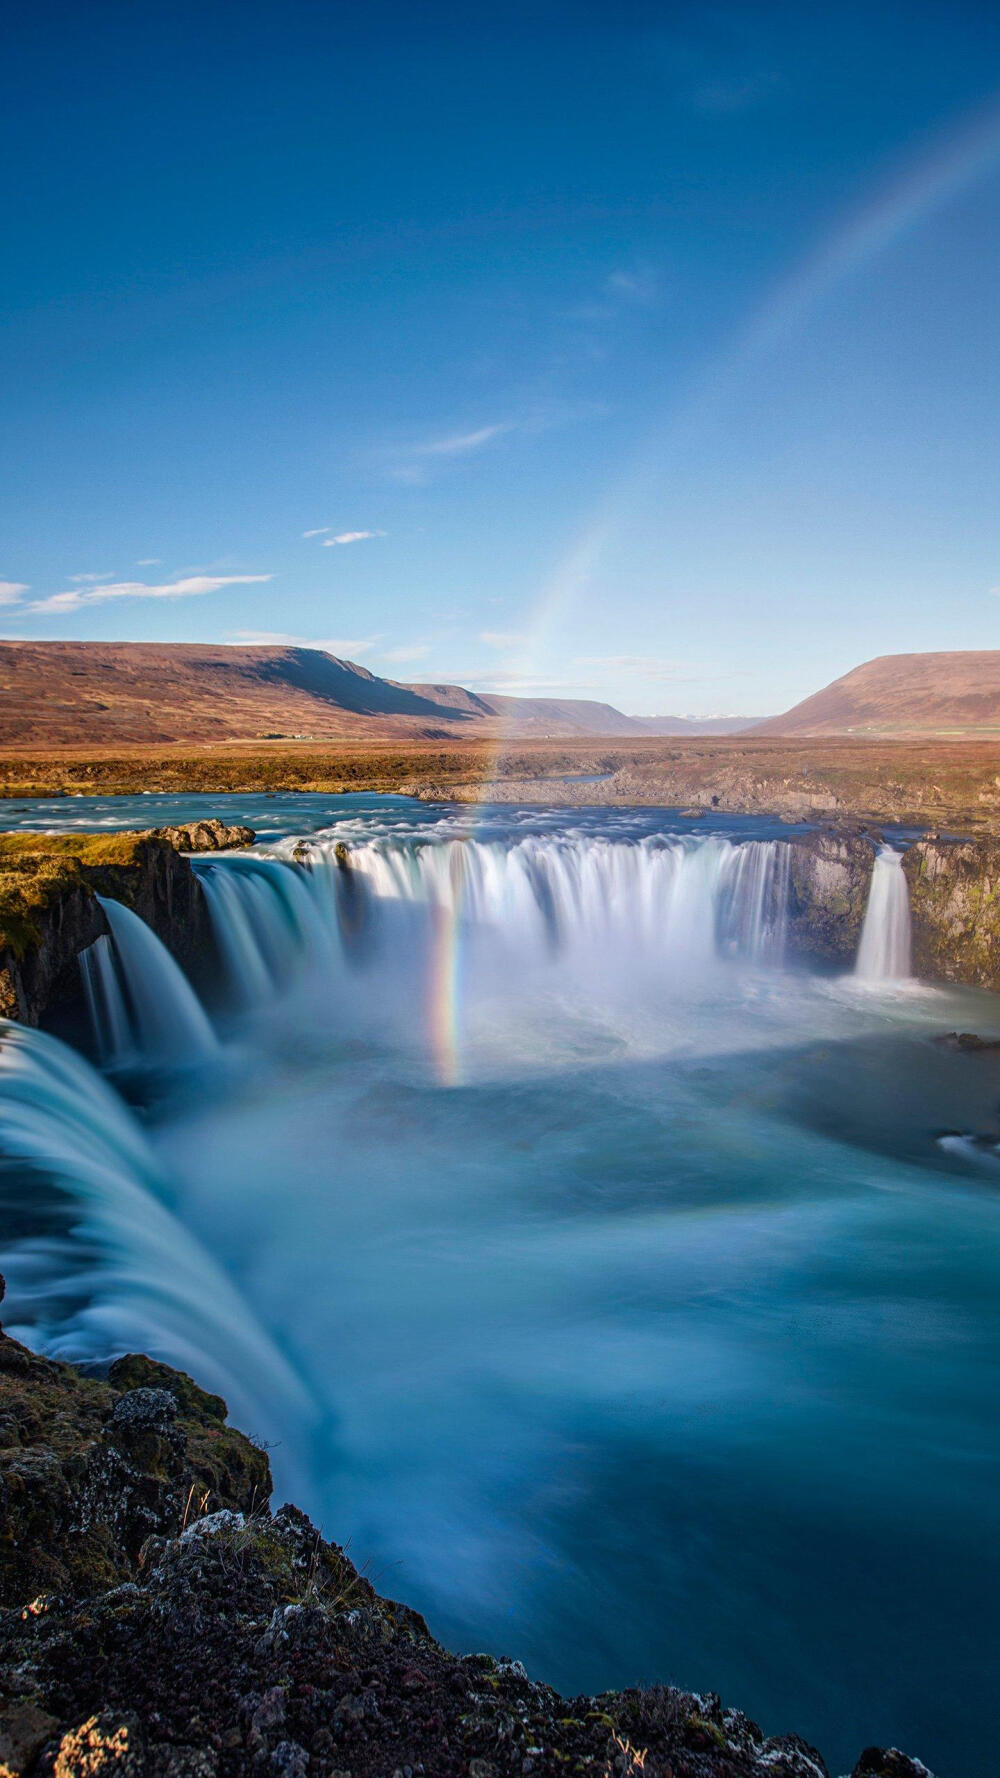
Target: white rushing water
{"points": [[95, 1261], [884, 950], [670, 1311], [142, 1005], [682, 905]]}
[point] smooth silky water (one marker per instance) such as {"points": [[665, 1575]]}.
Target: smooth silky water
{"points": [[624, 1297]]}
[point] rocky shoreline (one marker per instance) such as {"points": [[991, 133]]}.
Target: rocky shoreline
{"points": [[159, 1620]]}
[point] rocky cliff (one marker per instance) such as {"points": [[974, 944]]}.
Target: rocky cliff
{"points": [[157, 1620], [49, 910], [828, 882], [955, 908]]}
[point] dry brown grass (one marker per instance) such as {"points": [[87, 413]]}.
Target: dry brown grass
{"points": [[927, 783]]}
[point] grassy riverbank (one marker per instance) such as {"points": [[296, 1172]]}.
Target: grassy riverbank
{"points": [[932, 784]]}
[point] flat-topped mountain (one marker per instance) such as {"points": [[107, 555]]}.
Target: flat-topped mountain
{"points": [[903, 694], [93, 694]]}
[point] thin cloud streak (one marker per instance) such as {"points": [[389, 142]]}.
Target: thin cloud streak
{"points": [[344, 647], [350, 537], [458, 444], [11, 590], [503, 638], [396, 656], [635, 666], [194, 586]]}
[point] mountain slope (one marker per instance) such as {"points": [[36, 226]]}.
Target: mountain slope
{"points": [[100, 693], [95, 694], [560, 716], [903, 694]]}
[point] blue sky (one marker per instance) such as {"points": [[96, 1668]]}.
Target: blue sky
{"points": [[625, 351]]}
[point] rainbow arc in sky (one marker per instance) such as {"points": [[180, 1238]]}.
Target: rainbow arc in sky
{"points": [[960, 157]]}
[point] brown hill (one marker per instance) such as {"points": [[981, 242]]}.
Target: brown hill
{"points": [[109, 694], [560, 716], [903, 694]]}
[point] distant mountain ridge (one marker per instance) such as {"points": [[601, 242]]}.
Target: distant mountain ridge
{"points": [[109, 694], [903, 694]]}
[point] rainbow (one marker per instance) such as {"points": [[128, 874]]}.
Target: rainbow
{"points": [[959, 157]]}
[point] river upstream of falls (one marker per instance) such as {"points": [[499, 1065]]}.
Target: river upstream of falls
{"points": [[612, 1287]]}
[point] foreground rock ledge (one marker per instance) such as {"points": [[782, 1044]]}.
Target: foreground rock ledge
{"points": [[49, 911], [157, 1620]]}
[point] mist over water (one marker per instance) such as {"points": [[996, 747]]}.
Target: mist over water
{"points": [[597, 1275]]}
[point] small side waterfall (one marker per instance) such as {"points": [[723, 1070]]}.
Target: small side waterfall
{"points": [[142, 1005], [110, 1019], [95, 1262], [884, 950]]}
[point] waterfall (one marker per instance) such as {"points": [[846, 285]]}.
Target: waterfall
{"points": [[110, 1019], [297, 912], [142, 1006], [268, 923], [684, 901], [884, 950], [95, 1262], [754, 912]]}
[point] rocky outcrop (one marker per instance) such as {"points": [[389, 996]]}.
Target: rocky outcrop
{"points": [[205, 836], [828, 882], [49, 911], [955, 909], [159, 1621], [90, 1468]]}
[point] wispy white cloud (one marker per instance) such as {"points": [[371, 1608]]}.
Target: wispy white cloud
{"points": [[149, 561], [79, 579], [502, 638], [415, 463], [634, 284], [317, 531], [350, 537], [459, 444], [344, 646], [193, 586], [412, 464], [635, 666], [525, 684], [396, 656], [11, 590]]}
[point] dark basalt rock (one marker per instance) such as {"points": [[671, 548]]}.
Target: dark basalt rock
{"points": [[157, 1620]]}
